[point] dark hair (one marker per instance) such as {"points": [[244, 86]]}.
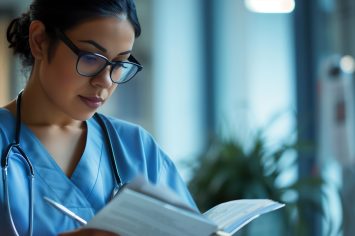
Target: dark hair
{"points": [[63, 15]]}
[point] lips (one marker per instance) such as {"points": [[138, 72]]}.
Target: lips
{"points": [[92, 102]]}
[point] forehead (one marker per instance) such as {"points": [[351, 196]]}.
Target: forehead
{"points": [[114, 33]]}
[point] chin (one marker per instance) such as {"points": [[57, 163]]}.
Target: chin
{"points": [[83, 116]]}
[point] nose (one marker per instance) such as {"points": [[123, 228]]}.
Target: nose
{"points": [[103, 79]]}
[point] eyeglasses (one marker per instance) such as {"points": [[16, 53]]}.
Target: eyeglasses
{"points": [[90, 64]]}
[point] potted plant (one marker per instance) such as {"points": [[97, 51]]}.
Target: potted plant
{"points": [[228, 171]]}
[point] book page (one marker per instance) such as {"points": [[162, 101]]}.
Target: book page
{"points": [[163, 193], [231, 216], [141, 208], [132, 213]]}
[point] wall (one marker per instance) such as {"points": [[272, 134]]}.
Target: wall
{"points": [[254, 72]]}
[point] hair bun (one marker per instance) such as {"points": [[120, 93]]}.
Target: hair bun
{"points": [[17, 36]]}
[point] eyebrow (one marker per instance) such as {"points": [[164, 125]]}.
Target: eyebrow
{"points": [[98, 46], [125, 52], [101, 48]]}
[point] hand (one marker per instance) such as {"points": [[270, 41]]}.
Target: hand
{"points": [[88, 232]]}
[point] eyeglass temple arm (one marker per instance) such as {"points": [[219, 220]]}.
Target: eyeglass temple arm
{"points": [[134, 60], [67, 41]]}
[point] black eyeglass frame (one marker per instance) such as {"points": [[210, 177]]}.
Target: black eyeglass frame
{"points": [[113, 64]]}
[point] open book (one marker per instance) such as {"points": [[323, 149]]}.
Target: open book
{"points": [[141, 208]]}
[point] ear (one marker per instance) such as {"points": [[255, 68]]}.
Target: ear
{"points": [[38, 40]]}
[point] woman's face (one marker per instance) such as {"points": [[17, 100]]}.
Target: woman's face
{"points": [[75, 95]]}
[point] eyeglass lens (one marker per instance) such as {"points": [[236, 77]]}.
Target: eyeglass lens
{"points": [[90, 64]]}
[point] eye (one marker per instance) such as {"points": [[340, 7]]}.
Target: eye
{"points": [[90, 59], [119, 65]]}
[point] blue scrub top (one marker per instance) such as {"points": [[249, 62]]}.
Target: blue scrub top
{"points": [[90, 186]]}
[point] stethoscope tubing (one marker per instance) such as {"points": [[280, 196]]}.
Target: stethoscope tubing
{"points": [[100, 119], [4, 167], [16, 145]]}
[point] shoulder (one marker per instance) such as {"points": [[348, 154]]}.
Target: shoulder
{"points": [[5, 116], [7, 124], [135, 142], [7, 129], [142, 155]]}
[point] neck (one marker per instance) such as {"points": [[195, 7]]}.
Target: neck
{"points": [[38, 110]]}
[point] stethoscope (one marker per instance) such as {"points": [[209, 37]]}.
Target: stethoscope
{"points": [[16, 146]]}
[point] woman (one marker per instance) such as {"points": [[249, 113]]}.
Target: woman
{"points": [[78, 53]]}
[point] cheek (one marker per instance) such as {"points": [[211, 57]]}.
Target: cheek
{"points": [[112, 89], [61, 73]]}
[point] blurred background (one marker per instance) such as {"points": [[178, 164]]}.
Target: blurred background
{"points": [[250, 98]]}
